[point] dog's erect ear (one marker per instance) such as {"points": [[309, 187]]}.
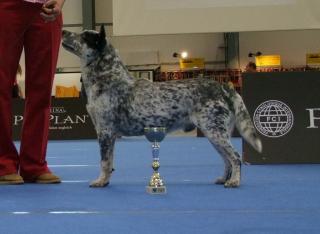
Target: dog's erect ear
{"points": [[102, 39], [102, 31]]}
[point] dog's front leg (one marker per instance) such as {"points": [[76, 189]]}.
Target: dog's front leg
{"points": [[106, 142]]}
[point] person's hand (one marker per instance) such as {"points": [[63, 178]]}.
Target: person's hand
{"points": [[51, 9]]}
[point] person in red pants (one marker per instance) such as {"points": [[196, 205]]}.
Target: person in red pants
{"points": [[34, 25]]}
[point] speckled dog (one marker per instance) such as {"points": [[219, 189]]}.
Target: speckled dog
{"points": [[118, 104]]}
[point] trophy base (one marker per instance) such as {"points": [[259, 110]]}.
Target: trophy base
{"points": [[156, 190]]}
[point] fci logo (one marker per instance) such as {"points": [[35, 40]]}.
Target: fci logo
{"points": [[273, 118]]}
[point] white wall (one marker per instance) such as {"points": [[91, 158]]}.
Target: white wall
{"points": [[146, 17], [291, 45], [137, 50], [72, 12], [104, 11], [133, 49]]}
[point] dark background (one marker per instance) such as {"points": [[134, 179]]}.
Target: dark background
{"points": [[300, 91], [72, 107]]}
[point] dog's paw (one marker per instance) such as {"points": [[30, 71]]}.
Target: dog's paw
{"points": [[220, 180], [232, 184], [99, 183]]}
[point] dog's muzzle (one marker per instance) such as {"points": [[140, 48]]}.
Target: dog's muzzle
{"points": [[67, 41]]}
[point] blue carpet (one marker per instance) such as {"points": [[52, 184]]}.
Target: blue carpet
{"points": [[272, 198]]}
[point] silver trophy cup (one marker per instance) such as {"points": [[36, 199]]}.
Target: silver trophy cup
{"points": [[155, 135]]}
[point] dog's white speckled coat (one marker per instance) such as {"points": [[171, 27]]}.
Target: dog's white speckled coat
{"points": [[118, 104]]}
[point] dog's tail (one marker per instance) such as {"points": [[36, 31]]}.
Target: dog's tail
{"points": [[243, 121]]}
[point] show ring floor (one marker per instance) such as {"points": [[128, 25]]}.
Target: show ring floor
{"points": [[271, 199]]}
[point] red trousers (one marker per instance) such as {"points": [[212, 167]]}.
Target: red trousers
{"points": [[21, 26]]}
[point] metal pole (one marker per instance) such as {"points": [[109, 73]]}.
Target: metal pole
{"points": [[88, 14], [232, 50]]}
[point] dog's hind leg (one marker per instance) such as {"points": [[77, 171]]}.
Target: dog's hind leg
{"points": [[227, 169], [232, 173], [106, 142], [217, 130], [227, 162]]}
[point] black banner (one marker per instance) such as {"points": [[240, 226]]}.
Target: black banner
{"points": [[68, 119], [285, 108]]}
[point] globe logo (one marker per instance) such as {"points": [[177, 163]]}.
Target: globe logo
{"points": [[273, 118]]}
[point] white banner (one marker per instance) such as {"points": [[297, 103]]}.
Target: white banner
{"points": [[146, 17]]}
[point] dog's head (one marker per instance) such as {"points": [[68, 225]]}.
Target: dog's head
{"points": [[87, 45]]}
